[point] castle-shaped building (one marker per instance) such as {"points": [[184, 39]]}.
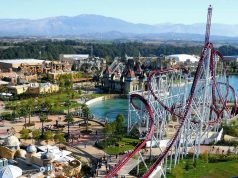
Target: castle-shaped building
{"points": [[132, 78]]}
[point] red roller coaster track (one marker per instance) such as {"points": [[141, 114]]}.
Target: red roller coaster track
{"points": [[217, 109], [138, 147], [188, 106]]}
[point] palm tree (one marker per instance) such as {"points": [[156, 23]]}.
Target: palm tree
{"points": [[67, 103], [13, 106], [22, 111], [43, 118], [69, 119], [86, 112], [29, 106]]}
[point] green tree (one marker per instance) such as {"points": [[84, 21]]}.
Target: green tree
{"points": [[114, 126], [59, 137], [22, 111], [134, 133], [36, 134], [48, 135], [67, 104], [107, 130], [68, 84], [69, 119], [30, 106], [24, 133], [86, 113], [120, 123], [42, 118], [46, 106], [13, 106]]}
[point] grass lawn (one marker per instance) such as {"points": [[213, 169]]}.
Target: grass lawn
{"points": [[209, 170], [124, 145], [57, 100]]}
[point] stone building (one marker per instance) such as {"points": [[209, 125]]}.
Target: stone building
{"points": [[42, 88], [10, 147], [131, 79], [33, 88], [83, 62], [33, 66]]}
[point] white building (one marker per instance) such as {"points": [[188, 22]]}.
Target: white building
{"points": [[10, 171], [77, 60], [73, 57], [14, 64], [183, 58]]}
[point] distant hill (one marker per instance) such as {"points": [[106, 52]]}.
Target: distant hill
{"points": [[95, 26]]}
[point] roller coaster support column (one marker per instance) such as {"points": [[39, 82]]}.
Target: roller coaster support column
{"points": [[129, 116], [205, 98]]}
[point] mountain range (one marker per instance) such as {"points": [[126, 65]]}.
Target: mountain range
{"points": [[101, 27]]}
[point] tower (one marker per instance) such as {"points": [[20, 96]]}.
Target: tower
{"points": [[47, 159], [30, 152]]}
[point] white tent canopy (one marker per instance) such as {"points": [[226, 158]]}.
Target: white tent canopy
{"points": [[10, 171]]}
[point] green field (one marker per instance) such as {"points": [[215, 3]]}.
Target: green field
{"points": [[124, 145], [208, 170]]}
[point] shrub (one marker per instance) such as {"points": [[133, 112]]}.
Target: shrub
{"points": [[227, 143], [59, 137], [222, 157], [188, 166], [177, 172], [48, 135], [36, 134], [6, 116], [25, 133], [134, 133], [106, 143], [204, 156]]}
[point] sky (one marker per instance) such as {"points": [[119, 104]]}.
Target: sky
{"points": [[136, 11]]}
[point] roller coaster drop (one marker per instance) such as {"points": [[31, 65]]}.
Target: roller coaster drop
{"points": [[196, 114]]}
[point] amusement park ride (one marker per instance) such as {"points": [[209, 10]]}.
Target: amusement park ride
{"points": [[196, 104]]}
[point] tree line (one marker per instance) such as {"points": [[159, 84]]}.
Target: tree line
{"points": [[51, 49]]}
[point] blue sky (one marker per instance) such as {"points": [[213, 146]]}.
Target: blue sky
{"points": [[137, 11]]}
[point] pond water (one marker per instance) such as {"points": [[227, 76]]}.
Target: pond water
{"points": [[111, 108]]}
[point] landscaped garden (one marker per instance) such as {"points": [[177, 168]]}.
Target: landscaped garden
{"points": [[122, 145], [58, 103], [116, 141], [203, 169], [207, 166]]}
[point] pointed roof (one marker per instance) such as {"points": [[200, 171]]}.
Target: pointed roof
{"points": [[138, 67], [130, 73], [108, 70], [10, 171]]}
